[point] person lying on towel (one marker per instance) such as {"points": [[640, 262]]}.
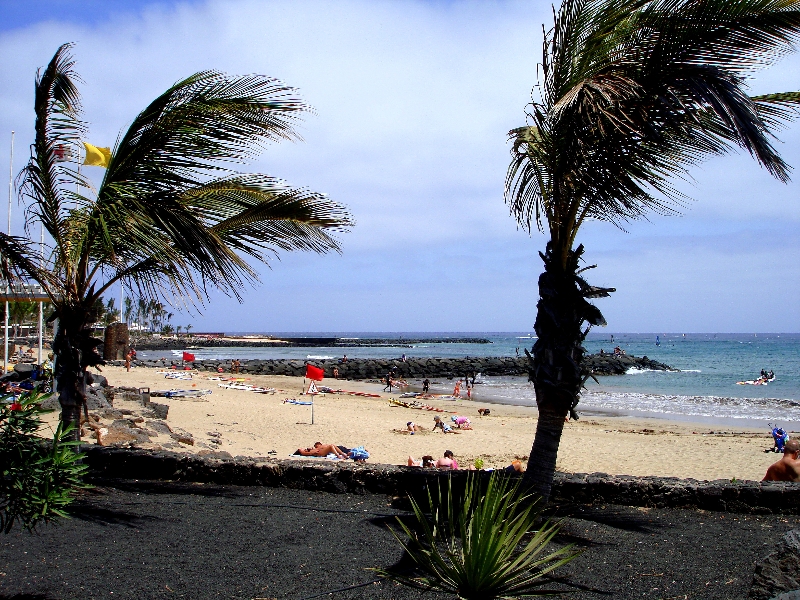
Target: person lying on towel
{"points": [[320, 449]]}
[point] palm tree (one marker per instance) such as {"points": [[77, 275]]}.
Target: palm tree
{"points": [[111, 312], [22, 313], [128, 311], [631, 95], [169, 219]]}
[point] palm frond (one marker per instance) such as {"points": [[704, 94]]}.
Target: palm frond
{"points": [[156, 201], [58, 128], [633, 95], [20, 259]]}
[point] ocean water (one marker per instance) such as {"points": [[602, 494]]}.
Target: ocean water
{"points": [[704, 390]]}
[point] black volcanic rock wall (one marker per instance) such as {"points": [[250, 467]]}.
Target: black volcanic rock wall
{"points": [[661, 492]]}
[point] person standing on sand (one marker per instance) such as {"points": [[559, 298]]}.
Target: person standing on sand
{"points": [[426, 386], [235, 364], [128, 357], [787, 468], [388, 383]]}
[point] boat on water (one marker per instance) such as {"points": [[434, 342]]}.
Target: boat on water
{"points": [[765, 378]]}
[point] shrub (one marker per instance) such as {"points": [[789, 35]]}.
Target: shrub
{"points": [[38, 478]]}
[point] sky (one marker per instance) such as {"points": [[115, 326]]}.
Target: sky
{"points": [[413, 102]]}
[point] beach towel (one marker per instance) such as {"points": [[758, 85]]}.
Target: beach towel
{"points": [[293, 401], [358, 453], [179, 393], [176, 375], [329, 457]]}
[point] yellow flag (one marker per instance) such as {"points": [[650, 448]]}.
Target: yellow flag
{"points": [[97, 157]]}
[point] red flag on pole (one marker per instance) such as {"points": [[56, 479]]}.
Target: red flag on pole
{"points": [[188, 357], [314, 373]]}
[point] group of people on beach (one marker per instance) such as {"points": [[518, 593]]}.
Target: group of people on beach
{"points": [[438, 423], [448, 462]]}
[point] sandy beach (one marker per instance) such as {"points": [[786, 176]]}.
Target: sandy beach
{"points": [[262, 425]]}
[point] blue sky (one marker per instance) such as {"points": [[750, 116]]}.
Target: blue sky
{"points": [[413, 101]]}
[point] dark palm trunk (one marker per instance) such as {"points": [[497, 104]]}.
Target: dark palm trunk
{"points": [[556, 360], [74, 350]]}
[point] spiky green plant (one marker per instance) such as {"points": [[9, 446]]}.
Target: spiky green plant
{"points": [[483, 544], [38, 479]]}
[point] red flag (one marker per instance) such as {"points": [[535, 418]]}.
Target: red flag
{"points": [[314, 373], [188, 357]]}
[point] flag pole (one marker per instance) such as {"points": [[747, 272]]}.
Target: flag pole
{"points": [[41, 304], [8, 286]]}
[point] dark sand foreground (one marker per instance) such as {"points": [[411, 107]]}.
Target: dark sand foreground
{"points": [[139, 540]]}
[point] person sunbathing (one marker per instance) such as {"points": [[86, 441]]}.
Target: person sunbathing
{"points": [[320, 449], [426, 462], [447, 462], [515, 467]]}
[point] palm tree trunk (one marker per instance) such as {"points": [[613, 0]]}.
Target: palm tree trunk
{"points": [[74, 349], [542, 462], [555, 362]]}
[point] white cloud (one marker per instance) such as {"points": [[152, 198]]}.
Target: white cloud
{"points": [[413, 101]]}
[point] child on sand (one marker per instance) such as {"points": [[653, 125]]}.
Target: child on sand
{"points": [[437, 422], [462, 422]]}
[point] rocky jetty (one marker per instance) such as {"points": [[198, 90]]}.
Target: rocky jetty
{"points": [[610, 364], [375, 368]]}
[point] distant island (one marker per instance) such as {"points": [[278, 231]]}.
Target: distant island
{"points": [[217, 340]]}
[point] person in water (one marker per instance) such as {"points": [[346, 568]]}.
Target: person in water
{"points": [[787, 468]]}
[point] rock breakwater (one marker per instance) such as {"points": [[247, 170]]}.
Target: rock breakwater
{"points": [[375, 368]]}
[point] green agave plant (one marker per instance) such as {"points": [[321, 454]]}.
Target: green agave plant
{"points": [[477, 545]]}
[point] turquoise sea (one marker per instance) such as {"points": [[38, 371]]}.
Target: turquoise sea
{"points": [[704, 390]]}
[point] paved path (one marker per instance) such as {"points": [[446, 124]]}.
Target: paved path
{"points": [[140, 541]]}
